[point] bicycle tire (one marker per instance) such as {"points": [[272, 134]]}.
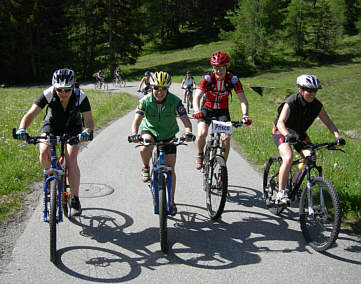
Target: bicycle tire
{"points": [[216, 193], [163, 212], [205, 168], [270, 184], [52, 218], [122, 83], [320, 229]]}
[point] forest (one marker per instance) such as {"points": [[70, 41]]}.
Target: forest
{"points": [[39, 36]]}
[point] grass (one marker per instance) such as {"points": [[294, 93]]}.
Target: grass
{"points": [[19, 166]]}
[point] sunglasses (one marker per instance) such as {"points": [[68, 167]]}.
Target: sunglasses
{"points": [[218, 68], [310, 90], [156, 88], [63, 90]]}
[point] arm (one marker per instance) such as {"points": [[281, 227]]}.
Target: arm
{"points": [[281, 124], [88, 120], [28, 118], [187, 123], [328, 122], [141, 83], [136, 123], [196, 99], [244, 103]]}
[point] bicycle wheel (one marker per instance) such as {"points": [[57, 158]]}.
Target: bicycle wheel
{"points": [[122, 83], [52, 218], [270, 184], [163, 212], [216, 192], [320, 223]]}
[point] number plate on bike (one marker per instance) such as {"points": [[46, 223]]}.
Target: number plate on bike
{"points": [[221, 127]]}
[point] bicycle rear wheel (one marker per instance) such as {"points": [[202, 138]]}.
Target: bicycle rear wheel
{"points": [[216, 191], [270, 184], [320, 223], [163, 212], [52, 218]]}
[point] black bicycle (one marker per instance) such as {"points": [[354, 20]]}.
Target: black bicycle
{"points": [[319, 206], [214, 168], [188, 102], [56, 200]]}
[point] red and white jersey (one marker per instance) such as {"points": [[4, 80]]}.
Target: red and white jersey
{"points": [[217, 91]]}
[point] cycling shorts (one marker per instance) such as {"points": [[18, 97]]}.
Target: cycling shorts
{"points": [[210, 114], [169, 149]]}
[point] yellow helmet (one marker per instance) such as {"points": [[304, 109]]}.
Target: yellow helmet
{"points": [[160, 78]]}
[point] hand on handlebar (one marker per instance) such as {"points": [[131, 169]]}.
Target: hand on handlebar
{"points": [[86, 135], [340, 141], [21, 134], [246, 120], [189, 137], [134, 138], [291, 138], [198, 115]]}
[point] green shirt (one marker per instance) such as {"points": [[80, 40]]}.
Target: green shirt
{"points": [[160, 119]]}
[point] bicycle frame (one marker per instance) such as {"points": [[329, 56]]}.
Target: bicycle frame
{"points": [[54, 172], [159, 168]]}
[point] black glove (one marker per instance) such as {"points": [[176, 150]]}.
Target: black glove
{"points": [[189, 136], [133, 138], [291, 138], [340, 141]]}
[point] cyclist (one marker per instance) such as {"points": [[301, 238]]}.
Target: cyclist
{"points": [[216, 86], [188, 81], [156, 117], [295, 116], [100, 78], [146, 81], [66, 106]]}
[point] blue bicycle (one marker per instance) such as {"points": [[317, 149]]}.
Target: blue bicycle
{"points": [[56, 190], [160, 183]]}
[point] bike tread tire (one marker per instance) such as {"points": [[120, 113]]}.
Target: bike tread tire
{"points": [[53, 184], [327, 185], [163, 212], [216, 213]]}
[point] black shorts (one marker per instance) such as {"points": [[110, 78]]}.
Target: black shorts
{"points": [[51, 129], [169, 149], [278, 138], [210, 114]]}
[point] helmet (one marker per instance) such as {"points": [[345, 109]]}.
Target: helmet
{"points": [[100, 71], [147, 73], [160, 78], [188, 72], [63, 78], [219, 59], [308, 81]]}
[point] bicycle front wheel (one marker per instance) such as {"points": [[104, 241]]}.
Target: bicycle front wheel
{"points": [[216, 191], [163, 212], [320, 214], [122, 83], [52, 218]]}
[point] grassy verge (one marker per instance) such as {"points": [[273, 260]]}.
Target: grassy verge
{"points": [[19, 166]]}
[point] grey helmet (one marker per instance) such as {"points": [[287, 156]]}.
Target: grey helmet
{"points": [[308, 81], [63, 78]]}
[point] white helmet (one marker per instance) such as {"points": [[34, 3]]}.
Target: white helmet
{"points": [[308, 81], [63, 78]]}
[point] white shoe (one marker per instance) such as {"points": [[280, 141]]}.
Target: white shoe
{"points": [[282, 197]]}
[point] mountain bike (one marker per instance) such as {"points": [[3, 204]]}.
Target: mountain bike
{"points": [[100, 85], [214, 168], [119, 82], [319, 206], [189, 92], [160, 184], [56, 191]]}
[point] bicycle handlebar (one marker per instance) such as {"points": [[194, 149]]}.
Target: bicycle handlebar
{"points": [[315, 146], [51, 139], [147, 142]]}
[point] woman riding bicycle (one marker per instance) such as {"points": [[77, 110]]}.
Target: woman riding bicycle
{"points": [[295, 116], [156, 117], [66, 106], [217, 86], [146, 81], [188, 82]]}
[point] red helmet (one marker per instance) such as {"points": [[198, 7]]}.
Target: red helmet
{"points": [[219, 59]]}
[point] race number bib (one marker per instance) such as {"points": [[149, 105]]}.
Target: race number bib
{"points": [[221, 127]]}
